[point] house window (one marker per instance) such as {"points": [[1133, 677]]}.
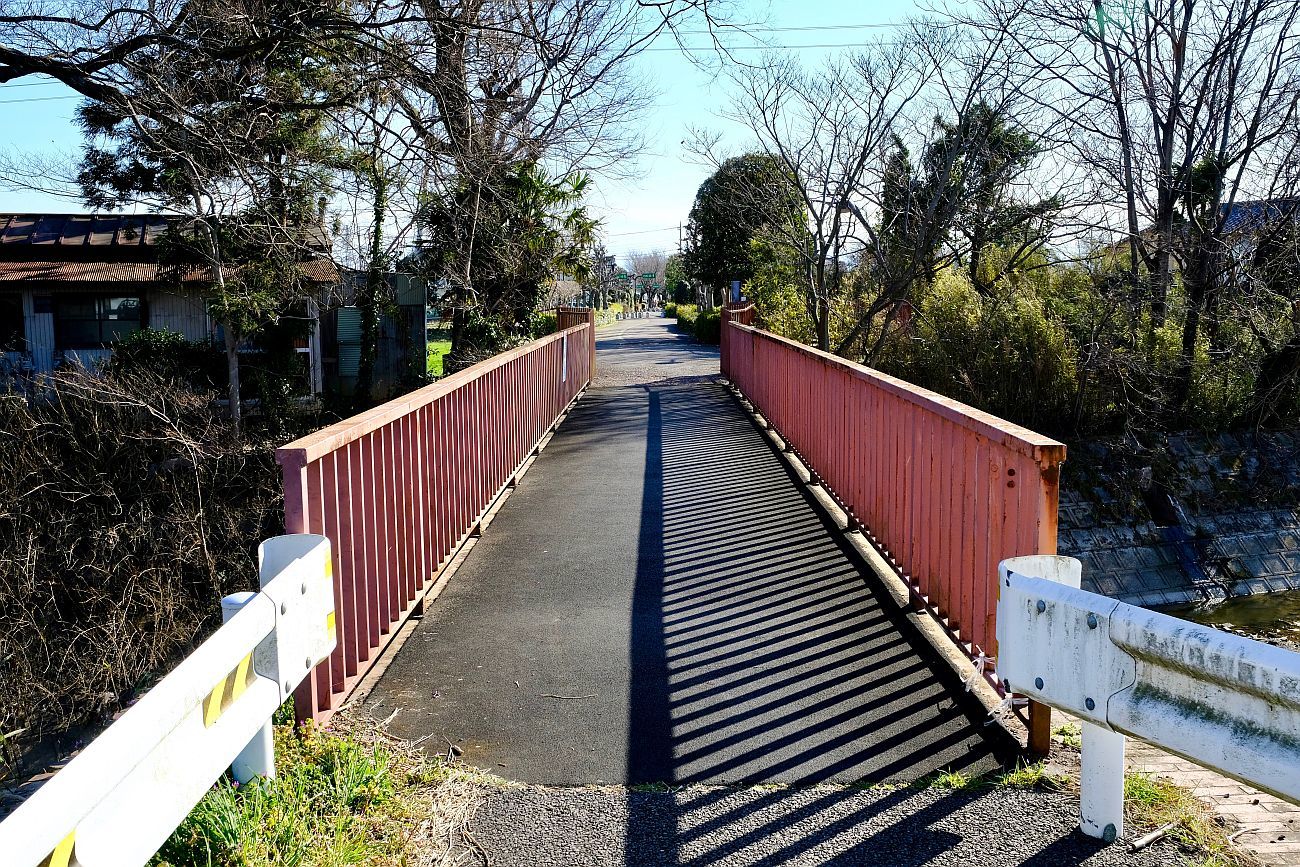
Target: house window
{"points": [[12, 336], [94, 321]]}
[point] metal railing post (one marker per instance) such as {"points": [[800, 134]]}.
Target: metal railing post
{"points": [[1101, 756], [258, 758], [1101, 783], [591, 344]]}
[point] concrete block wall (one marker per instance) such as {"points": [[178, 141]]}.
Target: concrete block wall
{"points": [[1238, 494]]}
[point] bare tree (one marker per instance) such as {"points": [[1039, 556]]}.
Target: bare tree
{"points": [[500, 84], [825, 127], [846, 135], [642, 288], [1181, 110]]}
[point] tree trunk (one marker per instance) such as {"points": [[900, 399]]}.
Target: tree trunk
{"points": [[454, 360], [368, 308], [1162, 275], [823, 325], [1194, 282], [368, 297], [232, 369]]}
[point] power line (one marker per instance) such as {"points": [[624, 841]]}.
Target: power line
{"points": [[643, 232], [742, 30], [704, 48], [39, 99], [8, 84]]}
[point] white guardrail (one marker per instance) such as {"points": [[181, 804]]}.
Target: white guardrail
{"points": [[124, 794], [1225, 702]]}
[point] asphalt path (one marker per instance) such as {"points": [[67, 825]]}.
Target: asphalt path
{"points": [[660, 601], [646, 351]]}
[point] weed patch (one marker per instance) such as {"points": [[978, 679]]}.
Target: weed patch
{"points": [[334, 801], [1151, 802], [1069, 734], [1028, 776], [949, 781], [1023, 776]]}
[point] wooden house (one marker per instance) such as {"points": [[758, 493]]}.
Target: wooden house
{"points": [[72, 285]]}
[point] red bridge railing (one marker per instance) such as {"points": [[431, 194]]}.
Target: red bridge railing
{"points": [[944, 490], [398, 489]]}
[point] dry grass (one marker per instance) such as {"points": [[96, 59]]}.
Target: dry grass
{"points": [[1151, 802], [440, 802], [127, 510]]}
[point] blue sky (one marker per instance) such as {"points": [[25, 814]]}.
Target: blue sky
{"points": [[640, 213], [643, 214]]}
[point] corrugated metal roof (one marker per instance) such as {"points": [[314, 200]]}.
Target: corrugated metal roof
{"points": [[79, 272], [317, 270], [69, 231], [79, 230], [1259, 214]]}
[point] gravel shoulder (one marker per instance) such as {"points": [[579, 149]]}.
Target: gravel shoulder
{"points": [[770, 825]]}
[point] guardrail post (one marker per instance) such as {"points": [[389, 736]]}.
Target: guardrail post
{"points": [[1101, 783], [1101, 755], [258, 758]]}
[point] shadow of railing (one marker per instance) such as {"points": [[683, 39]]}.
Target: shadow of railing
{"points": [[758, 651]]}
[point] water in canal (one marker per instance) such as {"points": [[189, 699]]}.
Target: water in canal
{"points": [[1271, 617]]}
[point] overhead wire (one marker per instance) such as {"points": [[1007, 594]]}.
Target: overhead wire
{"points": [[40, 99], [672, 228], [720, 33]]}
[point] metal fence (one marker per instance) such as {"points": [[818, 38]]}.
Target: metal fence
{"points": [[398, 489], [568, 317], [946, 492]]}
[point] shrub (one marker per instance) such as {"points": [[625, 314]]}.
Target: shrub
{"points": [[708, 326], [544, 323], [608, 314], [169, 355], [1003, 354], [670, 310], [686, 314], [129, 510]]}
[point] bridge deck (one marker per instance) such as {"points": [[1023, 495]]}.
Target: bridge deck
{"points": [[661, 601]]}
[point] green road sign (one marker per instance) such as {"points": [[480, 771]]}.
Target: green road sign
{"points": [[622, 276], [649, 276]]}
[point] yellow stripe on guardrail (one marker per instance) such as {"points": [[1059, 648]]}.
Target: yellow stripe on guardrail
{"points": [[329, 577], [230, 688], [62, 854]]}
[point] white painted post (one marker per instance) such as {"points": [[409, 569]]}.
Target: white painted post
{"points": [[1101, 781], [258, 758], [1101, 777]]}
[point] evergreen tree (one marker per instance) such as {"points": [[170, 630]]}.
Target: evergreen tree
{"points": [[238, 147]]}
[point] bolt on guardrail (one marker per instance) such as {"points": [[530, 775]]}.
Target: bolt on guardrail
{"points": [[1226, 702]]}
